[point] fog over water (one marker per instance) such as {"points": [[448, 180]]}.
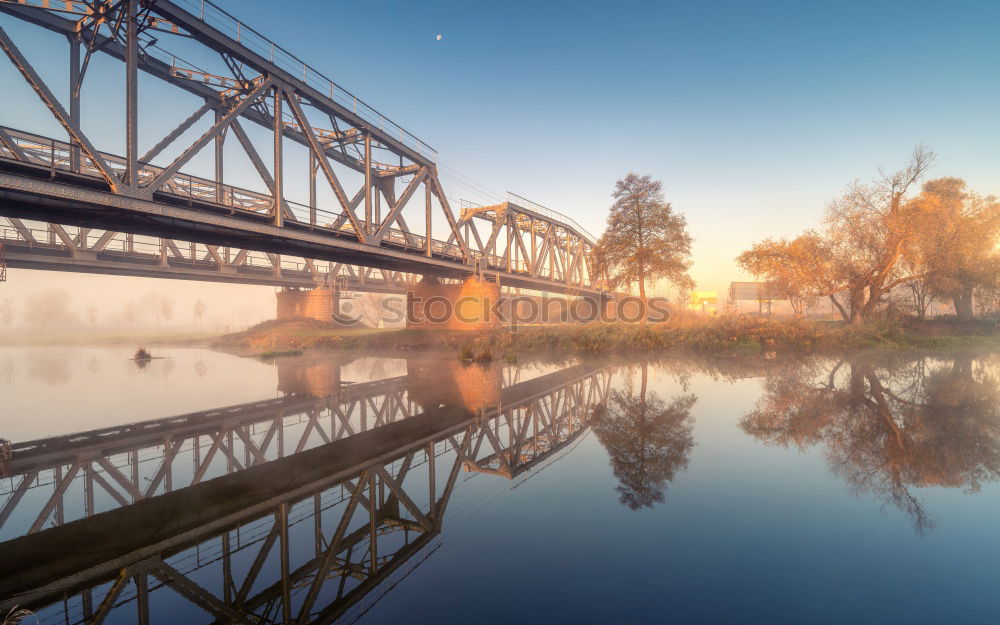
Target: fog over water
{"points": [[79, 303]]}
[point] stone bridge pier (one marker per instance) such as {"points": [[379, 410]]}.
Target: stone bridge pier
{"points": [[469, 305], [319, 303]]}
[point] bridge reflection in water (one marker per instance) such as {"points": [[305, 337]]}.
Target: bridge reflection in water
{"points": [[295, 509]]}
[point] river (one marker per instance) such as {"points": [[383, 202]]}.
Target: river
{"points": [[200, 487]]}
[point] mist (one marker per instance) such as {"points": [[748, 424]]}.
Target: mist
{"points": [[41, 302]]}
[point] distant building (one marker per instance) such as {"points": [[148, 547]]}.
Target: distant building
{"points": [[751, 292]]}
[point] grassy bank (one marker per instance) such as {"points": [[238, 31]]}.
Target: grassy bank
{"points": [[718, 334]]}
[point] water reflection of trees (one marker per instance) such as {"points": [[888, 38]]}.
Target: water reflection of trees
{"points": [[647, 439], [889, 427]]}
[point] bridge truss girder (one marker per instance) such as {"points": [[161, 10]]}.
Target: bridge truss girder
{"points": [[255, 89], [50, 246], [520, 240]]}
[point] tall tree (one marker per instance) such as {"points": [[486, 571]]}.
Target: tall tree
{"points": [[869, 230], [645, 239], [958, 249], [49, 308]]}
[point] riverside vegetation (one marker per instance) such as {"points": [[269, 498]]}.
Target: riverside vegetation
{"points": [[724, 333]]}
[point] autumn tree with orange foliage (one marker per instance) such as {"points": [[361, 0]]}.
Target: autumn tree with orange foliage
{"points": [[956, 250], [859, 255], [645, 239], [794, 269]]}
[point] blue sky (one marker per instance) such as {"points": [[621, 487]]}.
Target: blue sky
{"points": [[754, 115]]}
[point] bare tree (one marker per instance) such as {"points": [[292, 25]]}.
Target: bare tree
{"points": [[167, 310], [869, 229], [920, 297], [49, 308], [150, 305], [130, 313], [91, 314], [199, 312], [7, 312]]}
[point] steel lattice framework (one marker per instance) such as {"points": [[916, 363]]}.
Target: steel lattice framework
{"points": [[312, 534], [255, 81], [54, 247]]}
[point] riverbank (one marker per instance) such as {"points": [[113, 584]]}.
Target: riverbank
{"points": [[108, 338], [717, 334]]}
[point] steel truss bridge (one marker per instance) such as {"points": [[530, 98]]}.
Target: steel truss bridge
{"points": [[298, 509], [399, 219]]}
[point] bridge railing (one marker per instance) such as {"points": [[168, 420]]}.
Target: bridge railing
{"points": [[516, 199], [56, 155]]}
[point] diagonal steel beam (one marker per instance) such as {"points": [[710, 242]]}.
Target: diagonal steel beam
{"points": [[332, 550], [324, 164], [63, 236], [258, 164], [10, 144], [57, 109], [195, 593], [400, 204], [146, 192], [22, 230], [446, 209], [176, 132]]}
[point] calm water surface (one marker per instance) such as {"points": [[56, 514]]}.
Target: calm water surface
{"points": [[200, 488]]}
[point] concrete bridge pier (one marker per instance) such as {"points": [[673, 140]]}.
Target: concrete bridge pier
{"points": [[466, 306], [319, 303]]}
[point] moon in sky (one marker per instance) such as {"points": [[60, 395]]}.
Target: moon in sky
{"points": [[439, 37]]}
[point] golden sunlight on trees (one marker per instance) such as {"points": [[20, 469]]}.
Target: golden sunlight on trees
{"points": [[793, 269], [876, 237], [956, 250], [645, 239]]}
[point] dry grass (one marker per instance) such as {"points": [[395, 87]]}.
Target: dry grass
{"points": [[717, 334]]}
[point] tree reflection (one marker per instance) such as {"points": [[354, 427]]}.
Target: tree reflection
{"points": [[889, 427], [648, 440]]}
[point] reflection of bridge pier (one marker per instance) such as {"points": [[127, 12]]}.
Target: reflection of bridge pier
{"points": [[372, 498]]}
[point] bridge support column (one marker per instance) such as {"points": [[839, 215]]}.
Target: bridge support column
{"points": [[475, 388], [320, 378], [319, 304], [467, 306]]}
